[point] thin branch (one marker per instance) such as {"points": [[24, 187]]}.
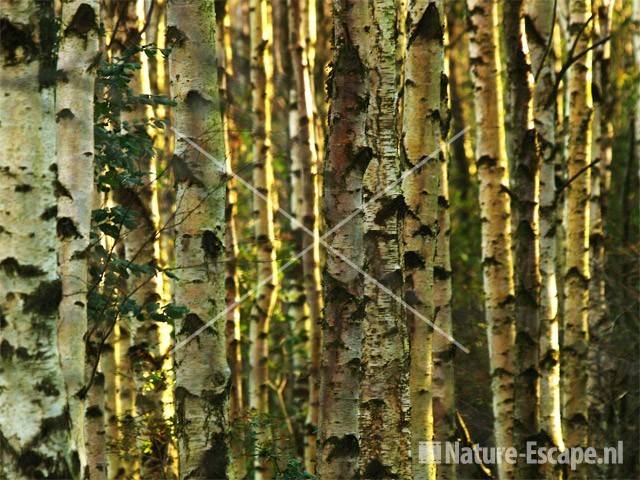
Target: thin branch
{"points": [[549, 43], [572, 179]]}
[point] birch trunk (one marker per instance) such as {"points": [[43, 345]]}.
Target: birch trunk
{"points": [[495, 212], [261, 76], [37, 439], [576, 335], [342, 329], [142, 247], [539, 30], [74, 114], [122, 30], [96, 468], [232, 282], [306, 144], [444, 406], [202, 373], [422, 136], [525, 161], [297, 307], [384, 402]]}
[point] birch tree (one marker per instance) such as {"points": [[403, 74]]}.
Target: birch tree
{"points": [[232, 282], [495, 212], [525, 162], [37, 438], [261, 79], [384, 401], [309, 213], [539, 21], [342, 330], [422, 134], [74, 157], [576, 274], [202, 373]]}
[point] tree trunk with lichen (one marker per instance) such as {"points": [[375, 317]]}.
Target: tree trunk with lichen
{"points": [[74, 115], [384, 397], [576, 275], [539, 28], [261, 80], [342, 329], [495, 213], [422, 134], [202, 373], [525, 161], [37, 438]]}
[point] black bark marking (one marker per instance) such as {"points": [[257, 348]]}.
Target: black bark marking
{"points": [[66, 228], [83, 21], [12, 267], [191, 324], [6, 350], [49, 213], [214, 460], [413, 260], [428, 27], [343, 447], [47, 387], [64, 114], [390, 207], [211, 244], [376, 470], [23, 188], [175, 37], [16, 43], [60, 190], [45, 300]]}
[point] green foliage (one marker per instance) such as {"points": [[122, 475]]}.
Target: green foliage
{"points": [[120, 147]]}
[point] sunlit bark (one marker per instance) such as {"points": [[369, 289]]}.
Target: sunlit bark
{"points": [[576, 336], [495, 212], [261, 84], [423, 101]]}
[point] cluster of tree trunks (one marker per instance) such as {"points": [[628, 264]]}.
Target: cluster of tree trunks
{"points": [[368, 180]]}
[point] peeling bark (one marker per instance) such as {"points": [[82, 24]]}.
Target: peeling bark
{"points": [[384, 401], [342, 328]]}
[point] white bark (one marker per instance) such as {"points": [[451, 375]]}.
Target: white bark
{"points": [[74, 115], [34, 409], [202, 373]]}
